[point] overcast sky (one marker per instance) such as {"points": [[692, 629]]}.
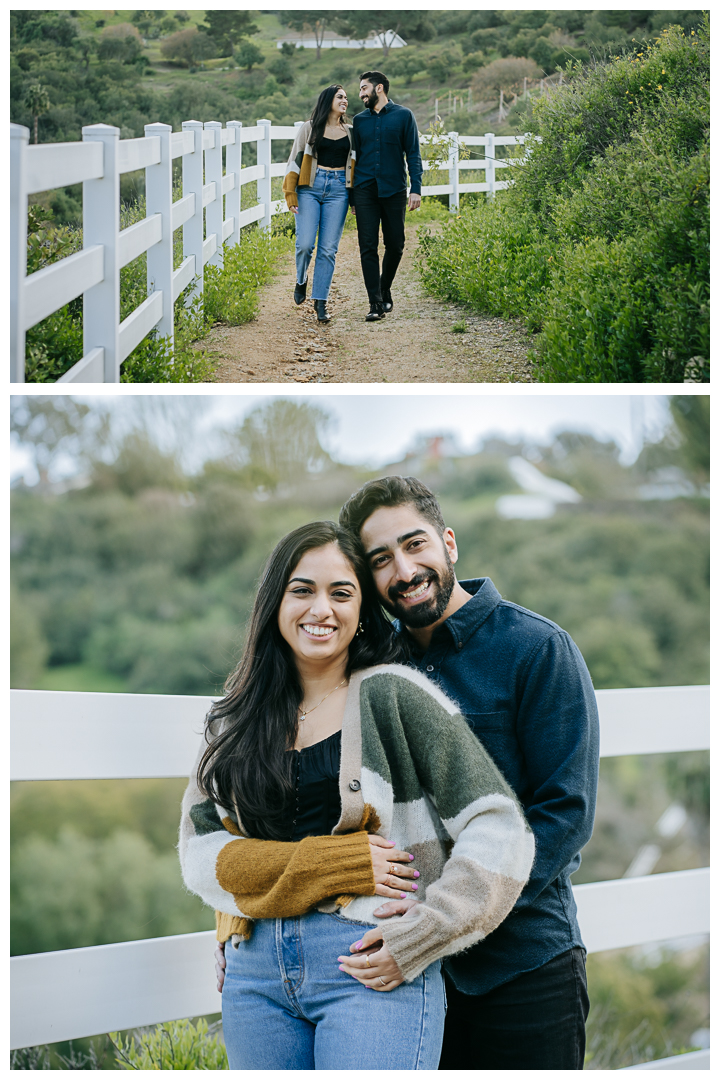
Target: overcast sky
{"points": [[377, 429]]}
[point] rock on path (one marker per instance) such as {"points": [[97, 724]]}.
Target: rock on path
{"points": [[415, 343]]}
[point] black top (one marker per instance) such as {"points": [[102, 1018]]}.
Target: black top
{"points": [[316, 807], [332, 153]]}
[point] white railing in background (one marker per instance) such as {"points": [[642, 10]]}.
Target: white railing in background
{"points": [[209, 212], [79, 992]]}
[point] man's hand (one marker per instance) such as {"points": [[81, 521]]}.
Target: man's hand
{"points": [[395, 907], [220, 965], [352, 211], [413, 202]]}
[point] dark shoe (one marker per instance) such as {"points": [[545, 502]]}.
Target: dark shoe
{"points": [[300, 291], [387, 301], [322, 312], [375, 313]]}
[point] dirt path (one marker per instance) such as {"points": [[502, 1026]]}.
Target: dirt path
{"points": [[415, 343]]}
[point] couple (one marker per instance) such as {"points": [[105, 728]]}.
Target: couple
{"points": [[446, 763], [334, 164]]}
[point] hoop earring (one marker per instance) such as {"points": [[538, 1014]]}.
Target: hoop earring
{"points": [[359, 630]]}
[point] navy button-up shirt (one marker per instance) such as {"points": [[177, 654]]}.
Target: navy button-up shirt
{"points": [[524, 688], [383, 140]]}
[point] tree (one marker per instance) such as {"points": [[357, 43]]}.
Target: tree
{"points": [[314, 22], [281, 441], [47, 427], [189, 46], [38, 102], [692, 419], [504, 74], [248, 54], [228, 28], [411, 25]]}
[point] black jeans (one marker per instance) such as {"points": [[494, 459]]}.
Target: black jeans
{"points": [[536, 1021], [370, 212]]}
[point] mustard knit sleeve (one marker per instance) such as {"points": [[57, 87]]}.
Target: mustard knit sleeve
{"points": [[271, 879]]}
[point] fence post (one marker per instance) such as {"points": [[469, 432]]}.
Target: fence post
{"points": [[101, 225], [264, 185], [19, 137], [159, 200], [233, 164], [454, 163], [490, 163], [214, 174], [193, 230]]}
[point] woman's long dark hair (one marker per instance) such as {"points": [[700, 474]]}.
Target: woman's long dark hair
{"points": [[321, 112], [247, 765]]}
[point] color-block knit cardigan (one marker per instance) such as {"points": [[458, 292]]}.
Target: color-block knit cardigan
{"points": [[302, 164], [410, 770]]}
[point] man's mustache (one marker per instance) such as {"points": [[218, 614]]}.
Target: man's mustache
{"points": [[394, 591]]}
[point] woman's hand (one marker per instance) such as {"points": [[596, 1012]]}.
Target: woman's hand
{"points": [[372, 963], [294, 209], [393, 877]]}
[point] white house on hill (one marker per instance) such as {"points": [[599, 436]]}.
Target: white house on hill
{"points": [[334, 41]]}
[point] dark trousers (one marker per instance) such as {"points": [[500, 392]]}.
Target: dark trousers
{"points": [[370, 212], [536, 1021]]}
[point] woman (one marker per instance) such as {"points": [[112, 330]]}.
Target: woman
{"points": [[316, 754], [317, 178]]}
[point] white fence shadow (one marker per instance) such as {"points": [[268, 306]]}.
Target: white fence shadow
{"points": [[209, 213], [79, 992]]}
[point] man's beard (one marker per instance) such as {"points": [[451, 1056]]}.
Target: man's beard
{"points": [[429, 611], [372, 98]]}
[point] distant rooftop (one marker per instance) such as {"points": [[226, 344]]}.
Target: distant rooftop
{"points": [[331, 40]]}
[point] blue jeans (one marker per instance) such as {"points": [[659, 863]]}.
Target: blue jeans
{"points": [[322, 210], [286, 1005]]}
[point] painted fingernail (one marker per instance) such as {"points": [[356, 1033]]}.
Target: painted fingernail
{"points": [[416, 873], [411, 858], [356, 945], [403, 894], [413, 887]]}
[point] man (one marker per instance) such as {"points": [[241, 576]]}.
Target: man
{"points": [[386, 136], [518, 999]]}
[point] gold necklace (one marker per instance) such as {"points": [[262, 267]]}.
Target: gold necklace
{"points": [[304, 712]]}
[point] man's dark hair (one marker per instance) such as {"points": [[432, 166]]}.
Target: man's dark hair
{"points": [[391, 491], [376, 77]]}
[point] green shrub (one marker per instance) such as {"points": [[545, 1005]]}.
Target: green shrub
{"points": [[176, 1045], [602, 244]]}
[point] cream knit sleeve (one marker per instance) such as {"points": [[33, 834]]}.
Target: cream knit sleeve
{"points": [[493, 846]]}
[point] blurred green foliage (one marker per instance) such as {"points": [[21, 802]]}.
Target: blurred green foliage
{"points": [[176, 1045], [602, 243]]}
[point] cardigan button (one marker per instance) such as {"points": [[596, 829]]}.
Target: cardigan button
{"points": [[429, 668], [354, 785]]}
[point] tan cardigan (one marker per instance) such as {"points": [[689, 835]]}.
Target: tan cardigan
{"points": [[302, 164]]}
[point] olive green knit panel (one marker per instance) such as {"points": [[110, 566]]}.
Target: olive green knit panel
{"points": [[442, 748], [204, 817], [385, 749]]}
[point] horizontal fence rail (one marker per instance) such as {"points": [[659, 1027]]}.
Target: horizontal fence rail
{"points": [[81, 992], [209, 214]]}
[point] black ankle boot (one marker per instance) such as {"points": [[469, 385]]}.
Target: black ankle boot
{"points": [[375, 313], [387, 301], [321, 309], [299, 295]]}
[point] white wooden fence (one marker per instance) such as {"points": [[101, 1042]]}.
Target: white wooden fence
{"points": [[80, 992], [209, 212]]}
